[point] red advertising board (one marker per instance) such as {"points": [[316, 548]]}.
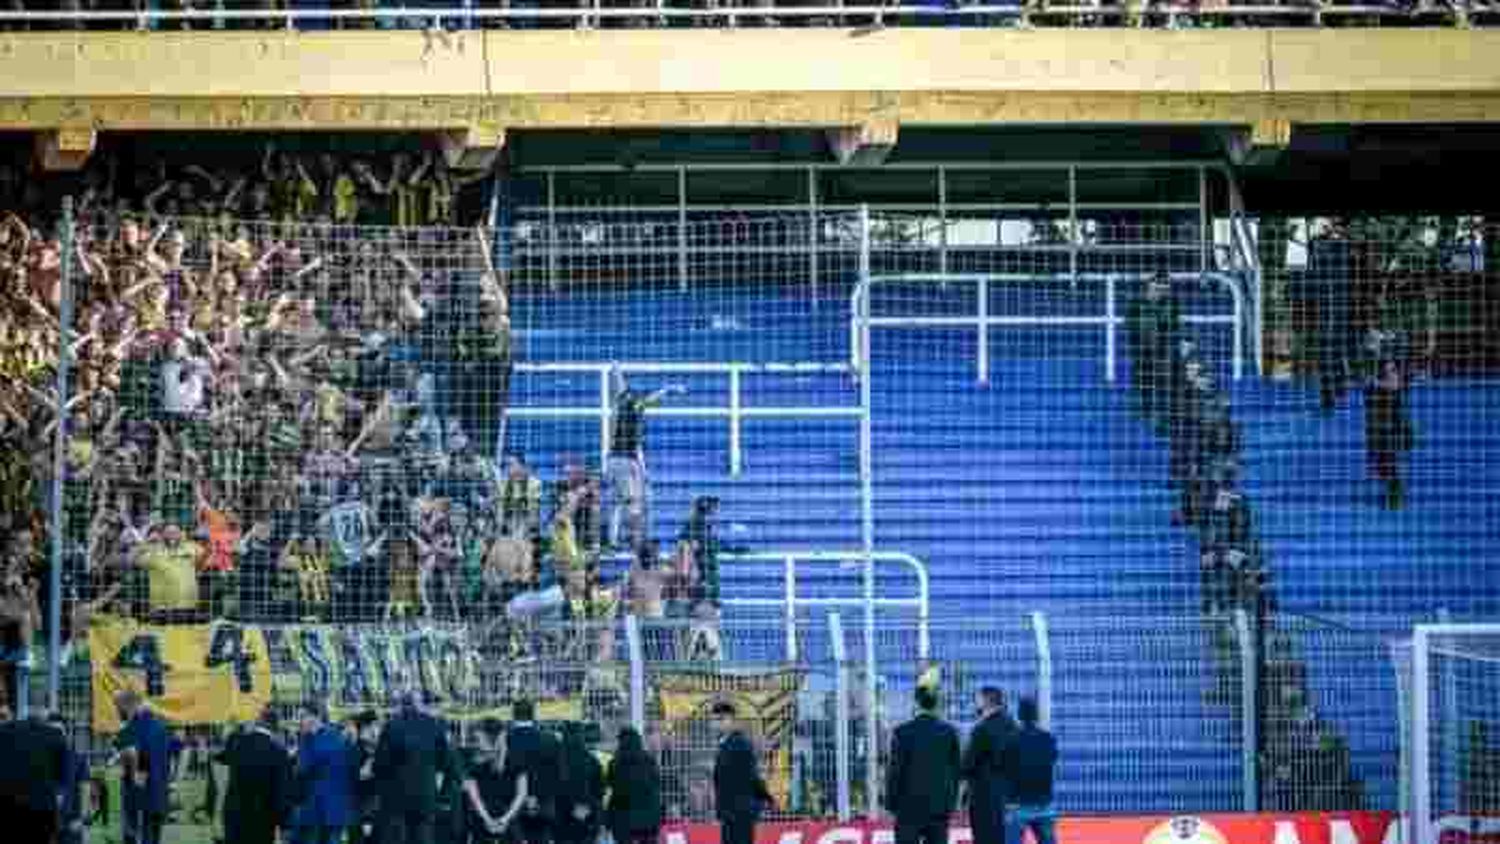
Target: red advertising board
{"points": [[1269, 828]]}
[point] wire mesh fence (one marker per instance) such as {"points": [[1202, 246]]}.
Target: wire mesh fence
{"points": [[301, 462]]}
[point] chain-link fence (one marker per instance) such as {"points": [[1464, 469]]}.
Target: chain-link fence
{"points": [[289, 463]]}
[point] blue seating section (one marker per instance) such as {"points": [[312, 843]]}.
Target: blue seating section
{"points": [[1041, 491]]}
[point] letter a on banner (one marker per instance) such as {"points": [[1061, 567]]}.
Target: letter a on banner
{"points": [[354, 688]]}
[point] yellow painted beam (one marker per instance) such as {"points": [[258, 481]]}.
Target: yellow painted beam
{"points": [[485, 83]]}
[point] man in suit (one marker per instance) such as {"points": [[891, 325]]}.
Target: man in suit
{"points": [[740, 795], [259, 793], [537, 755], [922, 780], [37, 759], [145, 751], [983, 767], [412, 753], [326, 772], [75, 777]]}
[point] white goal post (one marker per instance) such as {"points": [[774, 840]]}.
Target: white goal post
{"points": [[1451, 724]]}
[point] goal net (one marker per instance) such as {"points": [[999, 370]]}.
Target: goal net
{"points": [[1451, 693]]}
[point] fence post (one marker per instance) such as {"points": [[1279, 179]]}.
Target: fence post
{"points": [[736, 460], [637, 655], [1449, 742], [59, 452], [984, 330], [1420, 816], [21, 706], [1043, 668], [867, 518], [1110, 353], [682, 229], [841, 749], [789, 577], [605, 414], [1249, 713]]}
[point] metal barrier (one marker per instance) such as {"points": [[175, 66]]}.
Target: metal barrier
{"points": [[790, 601], [982, 321], [735, 411]]}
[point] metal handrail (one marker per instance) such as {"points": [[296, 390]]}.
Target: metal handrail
{"points": [[1012, 13], [982, 321], [735, 411], [790, 600], [1243, 245]]}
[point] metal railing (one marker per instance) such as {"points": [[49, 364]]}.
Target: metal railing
{"points": [[982, 321], [736, 412], [592, 13], [790, 600]]}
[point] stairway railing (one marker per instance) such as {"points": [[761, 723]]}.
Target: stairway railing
{"points": [[981, 321]]}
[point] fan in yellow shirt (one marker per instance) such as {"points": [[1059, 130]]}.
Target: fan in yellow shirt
{"points": [[310, 560], [171, 567]]}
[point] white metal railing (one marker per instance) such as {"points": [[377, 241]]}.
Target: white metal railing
{"points": [[591, 12], [790, 600], [982, 321], [1040, 633], [1246, 251], [736, 411]]}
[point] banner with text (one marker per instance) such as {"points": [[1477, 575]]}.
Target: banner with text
{"points": [[765, 700], [1270, 828], [193, 674], [226, 672]]}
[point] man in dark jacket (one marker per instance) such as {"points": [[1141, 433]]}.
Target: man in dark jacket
{"points": [[145, 750], [364, 734], [71, 809], [327, 769], [1388, 431], [259, 794], [412, 753], [537, 755], [1152, 326], [922, 780], [36, 766], [740, 795], [983, 767], [580, 791], [1029, 760], [1331, 266], [634, 782]]}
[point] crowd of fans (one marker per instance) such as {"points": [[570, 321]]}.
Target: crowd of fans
{"points": [[275, 417], [505, 14]]}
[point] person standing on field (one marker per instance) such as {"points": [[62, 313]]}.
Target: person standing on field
{"points": [[922, 780], [740, 795], [984, 767], [1031, 759]]}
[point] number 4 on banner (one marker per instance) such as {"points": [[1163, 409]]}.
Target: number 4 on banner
{"points": [[226, 646], [143, 653]]}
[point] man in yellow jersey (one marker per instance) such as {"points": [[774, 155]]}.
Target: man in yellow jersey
{"points": [[170, 564]]}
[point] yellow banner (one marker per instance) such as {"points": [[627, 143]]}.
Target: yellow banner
{"points": [[190, 674], [357, 668], [765, 701]]}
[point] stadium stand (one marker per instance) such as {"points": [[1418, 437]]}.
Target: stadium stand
{"points": [[1042, 491]]}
